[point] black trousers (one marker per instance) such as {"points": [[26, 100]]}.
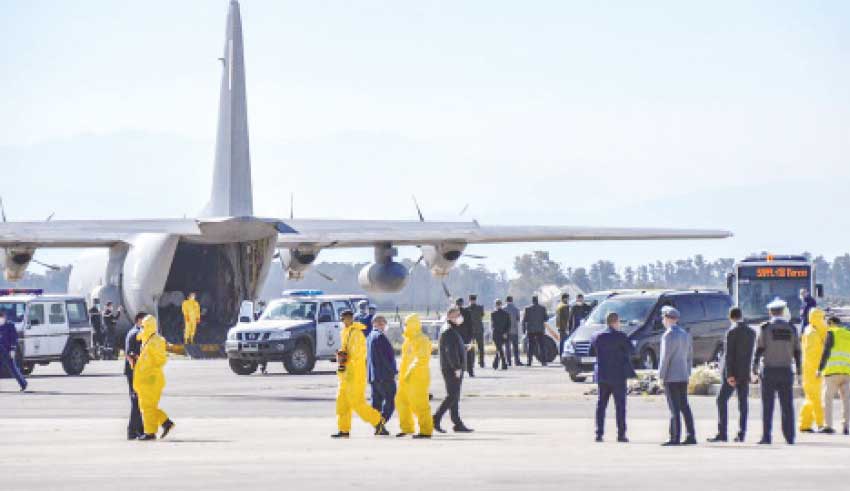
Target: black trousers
{"points": [[777, 382], [513, 346], [535, 347], [677, 401], [470, 362], [452, 401], [563, 335], [478, 337], [726, 391], [135, 426], [383, 397], [607, 390], [500, 342]]}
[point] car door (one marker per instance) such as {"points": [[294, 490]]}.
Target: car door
{"points": [[327, 331], [693, 320], [36, 330], [57, 322]]}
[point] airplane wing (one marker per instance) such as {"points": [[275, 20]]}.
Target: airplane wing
{"points": [[87, 233], [365, 233]]}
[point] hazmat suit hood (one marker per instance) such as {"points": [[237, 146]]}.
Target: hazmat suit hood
{"points": [[149, 328], [412, 326], [817, 320]]}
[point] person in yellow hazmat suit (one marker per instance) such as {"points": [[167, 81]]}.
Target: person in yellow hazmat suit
{"points": [[149, 380], [191, 317], [414, 380], [351, 374], [812, 342]]}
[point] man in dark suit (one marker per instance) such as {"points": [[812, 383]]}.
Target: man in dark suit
{"points": [[452, 360], [500, 322], [476, 320], [464, 328], [740, 343], [534, 326], [132, 349], [381, 368], [613, 367]]}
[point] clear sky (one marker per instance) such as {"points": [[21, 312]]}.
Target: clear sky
{"points": [[726, 114]]}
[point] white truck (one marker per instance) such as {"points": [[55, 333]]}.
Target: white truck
{"points": [[50, 328]]}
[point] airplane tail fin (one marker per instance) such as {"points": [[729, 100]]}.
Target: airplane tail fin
{"points": [[231, 189]]}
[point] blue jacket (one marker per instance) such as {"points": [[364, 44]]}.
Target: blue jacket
{"points": [[8, 337], [613, 357], [808, 304], [677, 356], [366, 320], [380, 358]]}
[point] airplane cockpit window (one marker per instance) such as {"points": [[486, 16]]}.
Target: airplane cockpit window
{"points": [[290, 311]]}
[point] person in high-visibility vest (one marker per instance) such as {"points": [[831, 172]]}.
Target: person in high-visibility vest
{"points": [[835, 367], [191, 317], [812, 342]]}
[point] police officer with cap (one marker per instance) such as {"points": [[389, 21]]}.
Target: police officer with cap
{"points": [[777, 348]]}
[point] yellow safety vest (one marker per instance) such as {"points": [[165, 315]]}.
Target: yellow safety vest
{"points": [[839, 357]]}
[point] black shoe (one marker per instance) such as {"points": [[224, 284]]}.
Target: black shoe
{"points": [[166, 428], [133, 436], [481, 364], [846, 430], [341, 434], [462, 429], [827, 430], [420, 436], [147, 437], [401, 435], [544, 364], [380, 430], [807, 430], [691, 440], [599, 439], [717, 439], [764, 441], [437, 427], [739, 439], [789, 442], [670, 443], [504, 368], [622, 439]]}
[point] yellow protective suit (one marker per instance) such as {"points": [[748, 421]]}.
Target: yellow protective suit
{"points": [[148, 379], [191, 317], [812, 343], [351, 394], [414, 379]]}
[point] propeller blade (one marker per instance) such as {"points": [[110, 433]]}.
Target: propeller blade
{"points": [[324, 275], [446, 289], [465, 207], [3, 210], [291, 206], [48, 266], [418, 210], [474, 256], [410, 270], [50, 217]]}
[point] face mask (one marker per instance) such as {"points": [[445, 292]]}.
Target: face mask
{"points": [[459, 319]]}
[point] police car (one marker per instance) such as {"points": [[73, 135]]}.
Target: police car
{"points": [[50, 328], [297, 329]]}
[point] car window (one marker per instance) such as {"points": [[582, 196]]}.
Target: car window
{"points": [[77, 315], [717, 308], [340, 306], [690, 308], [326, 310], [36, 314], [290, 311], [14, 311], [57, 313]]}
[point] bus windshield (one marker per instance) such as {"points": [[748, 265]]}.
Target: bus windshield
{"points": [[754, 295]]}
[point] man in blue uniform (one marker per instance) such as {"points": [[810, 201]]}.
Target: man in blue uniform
{"points": [[381, 368], [364, 317], [132, 349], [613, 368], [8, 348]]}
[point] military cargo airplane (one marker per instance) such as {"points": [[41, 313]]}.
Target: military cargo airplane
{"points": [[227, 251]]}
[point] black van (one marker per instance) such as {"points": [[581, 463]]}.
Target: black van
{"points": [[704, 314]]}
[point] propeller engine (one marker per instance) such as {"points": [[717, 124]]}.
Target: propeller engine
{"points": [[297, 261], [384, 275]]}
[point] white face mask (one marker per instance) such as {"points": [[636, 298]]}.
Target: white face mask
{"points": [[459, 319]]}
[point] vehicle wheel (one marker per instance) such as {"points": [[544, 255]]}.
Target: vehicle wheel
{"points": [[550, 350], [648, 360], [300, 360], [74, 360], [27, 368], [243, 367], [577, 378]]}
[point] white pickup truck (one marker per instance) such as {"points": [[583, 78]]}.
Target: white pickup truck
{"points": [[50, 328]]}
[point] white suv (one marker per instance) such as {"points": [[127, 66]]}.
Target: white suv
{"points": [[50, 328]]}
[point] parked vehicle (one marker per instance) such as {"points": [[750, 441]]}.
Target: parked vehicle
{"points": [[704, 315]]}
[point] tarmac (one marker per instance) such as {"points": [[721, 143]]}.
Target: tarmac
{"points": [[534, 430]]}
